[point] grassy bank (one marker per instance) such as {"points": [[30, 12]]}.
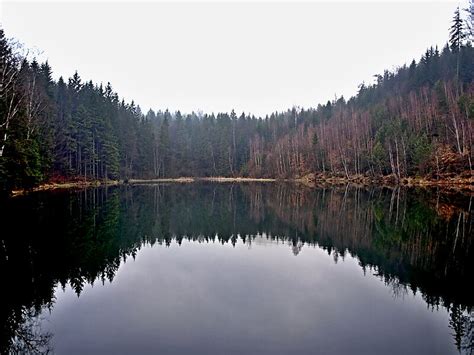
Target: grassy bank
{"points": [[311, 180], [157, 181], [65, 185]]}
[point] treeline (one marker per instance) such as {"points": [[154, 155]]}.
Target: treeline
{"points": [[416, 120]]}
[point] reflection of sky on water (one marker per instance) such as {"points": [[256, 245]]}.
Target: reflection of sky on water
{"points": [[204, 298]]}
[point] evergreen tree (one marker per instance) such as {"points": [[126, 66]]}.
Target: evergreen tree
{"points": [[456, 32]]}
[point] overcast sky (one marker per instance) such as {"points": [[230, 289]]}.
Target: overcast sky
{"points": [[253, 57]]}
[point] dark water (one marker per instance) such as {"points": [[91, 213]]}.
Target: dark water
{"points": [[237, 269]]}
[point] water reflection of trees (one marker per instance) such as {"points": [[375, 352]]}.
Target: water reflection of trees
{"points": [[28, 337], [415, 241]]}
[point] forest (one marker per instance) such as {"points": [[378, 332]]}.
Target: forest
{"points": [[415, 121]]}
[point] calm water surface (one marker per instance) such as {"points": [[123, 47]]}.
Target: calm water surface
{"points": [[237, 269]]}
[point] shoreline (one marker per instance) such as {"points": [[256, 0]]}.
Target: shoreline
{"points": [[205, 179], [70, 185], [459, 184]]}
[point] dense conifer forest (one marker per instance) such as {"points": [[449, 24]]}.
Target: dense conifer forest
{"points": [[417, 120]]}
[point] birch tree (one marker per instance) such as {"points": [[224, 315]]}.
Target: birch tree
{"points": [[10, 97]]}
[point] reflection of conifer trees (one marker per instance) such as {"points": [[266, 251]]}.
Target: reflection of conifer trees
{"points": [[456, 323], [68, 238], [411, 239], [462, 326]]}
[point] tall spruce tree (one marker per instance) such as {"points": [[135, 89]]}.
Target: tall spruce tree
{"points": [[456, 38], [456, 31]]}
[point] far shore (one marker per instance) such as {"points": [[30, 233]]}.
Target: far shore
{"points": [[456, 183], [197, 179]]}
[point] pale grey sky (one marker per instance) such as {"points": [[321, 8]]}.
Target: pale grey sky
{"points": [[255, 57]]}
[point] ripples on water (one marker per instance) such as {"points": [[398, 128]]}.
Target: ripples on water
{"points": [[251, 268]]}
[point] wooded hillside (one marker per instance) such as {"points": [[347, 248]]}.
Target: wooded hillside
{"points": [[415, 121]]}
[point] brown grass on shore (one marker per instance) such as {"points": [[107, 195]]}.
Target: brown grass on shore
{"points": [[193, 179], [154, 181], [65, 185], [464, 183]]}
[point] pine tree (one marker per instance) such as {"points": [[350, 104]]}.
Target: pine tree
{"points": [[456, 32], [456, 38]]}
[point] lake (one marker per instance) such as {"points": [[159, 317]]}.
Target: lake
{"points": [[248, 268]]}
